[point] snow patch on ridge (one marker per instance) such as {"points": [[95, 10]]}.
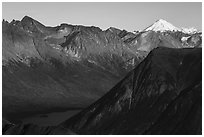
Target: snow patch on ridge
{"points": [[185, 38], [191, 30]]}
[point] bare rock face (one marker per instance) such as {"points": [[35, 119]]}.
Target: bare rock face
{"points": [[195, 40]]}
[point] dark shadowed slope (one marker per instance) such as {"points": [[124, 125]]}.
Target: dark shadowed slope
{"points": [[162, 95]]}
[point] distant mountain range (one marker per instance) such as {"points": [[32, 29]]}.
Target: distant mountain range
{"points": [[48, 69]]}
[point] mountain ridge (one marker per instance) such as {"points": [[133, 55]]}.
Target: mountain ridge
{"points": [[158, 25], [58, 68]]}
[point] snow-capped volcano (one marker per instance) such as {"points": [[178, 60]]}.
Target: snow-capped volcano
{"points": [[162, 25]]}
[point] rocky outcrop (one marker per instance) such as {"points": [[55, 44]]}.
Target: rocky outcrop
{"points": [[195, 40]]}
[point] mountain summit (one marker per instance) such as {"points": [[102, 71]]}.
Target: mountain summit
{"points": [[162, 25]]}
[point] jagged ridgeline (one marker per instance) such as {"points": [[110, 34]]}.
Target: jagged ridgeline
{"points": [[66, 67]]}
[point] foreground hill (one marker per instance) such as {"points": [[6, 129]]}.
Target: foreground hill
{"points": [[162, 95]]}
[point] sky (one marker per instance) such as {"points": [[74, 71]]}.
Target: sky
{"points": [[123, 15]]}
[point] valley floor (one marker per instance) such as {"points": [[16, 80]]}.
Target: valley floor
{"points": [[49, 119]]}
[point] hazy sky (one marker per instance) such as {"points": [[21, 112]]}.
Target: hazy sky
{"points": [[129, 16]]}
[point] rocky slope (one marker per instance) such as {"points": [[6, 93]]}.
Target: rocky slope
{"points": [[57, 68], [160, 96]]}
